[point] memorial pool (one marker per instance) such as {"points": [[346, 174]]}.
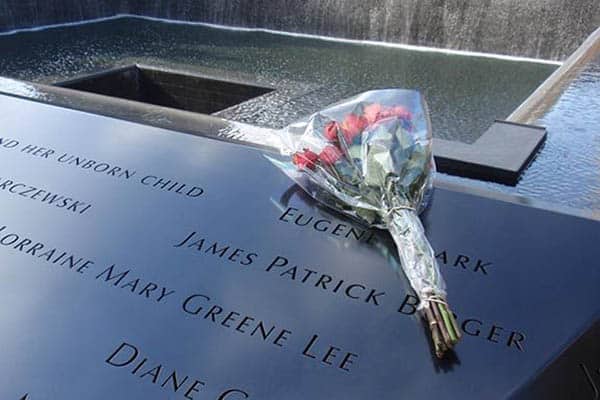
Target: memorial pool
{"points": [[567, 170], [465, 93]]}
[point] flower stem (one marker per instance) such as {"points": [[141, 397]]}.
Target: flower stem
{"points": [[442, 326], [420, 267], [438, 345]]}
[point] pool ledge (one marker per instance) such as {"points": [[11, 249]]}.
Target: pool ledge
{"points": [[500, 155]]}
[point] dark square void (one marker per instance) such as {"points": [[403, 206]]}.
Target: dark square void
{"points": [[167, 88]]}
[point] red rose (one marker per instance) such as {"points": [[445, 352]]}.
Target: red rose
{"points": [[305, 159], [398, 111], [372, 112], [386, 113], [331, 131], [330, 155], [401, 112], [352, 126]]}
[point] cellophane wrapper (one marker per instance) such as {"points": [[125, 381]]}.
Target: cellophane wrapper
{"points": [[370, 157]]}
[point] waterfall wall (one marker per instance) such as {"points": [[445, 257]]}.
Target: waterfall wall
{"points": [[550, 29]]}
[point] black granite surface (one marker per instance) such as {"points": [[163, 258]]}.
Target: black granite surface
{"points": [[230, 234], [161, 98]]}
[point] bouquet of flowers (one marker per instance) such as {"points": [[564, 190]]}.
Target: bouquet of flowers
{"points": [[370, 157]]}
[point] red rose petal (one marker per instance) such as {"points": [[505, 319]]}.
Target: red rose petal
{"points": [[401, 112], [354, 123], [305, 159], [330, 155], [331, 130], [372, 112]]}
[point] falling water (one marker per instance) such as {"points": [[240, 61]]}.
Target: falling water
{"points": [[549, 29]]}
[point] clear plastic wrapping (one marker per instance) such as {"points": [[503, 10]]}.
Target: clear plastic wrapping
{"points": [[370, 157]]}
